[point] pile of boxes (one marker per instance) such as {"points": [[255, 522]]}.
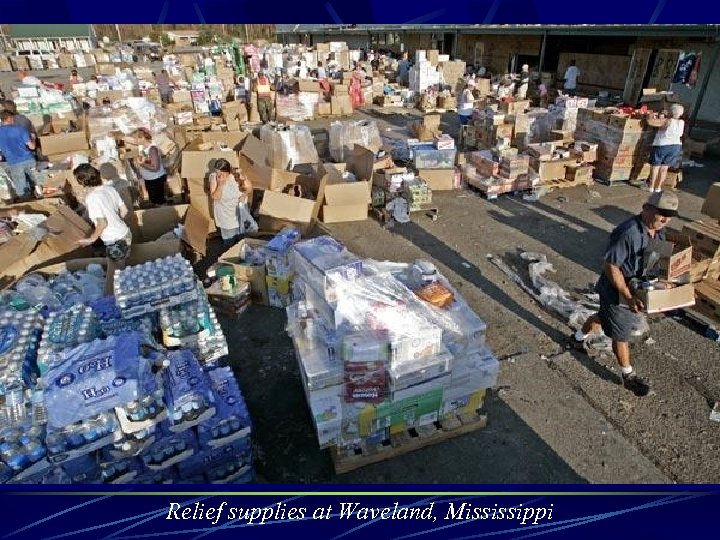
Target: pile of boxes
{"points": [[624, 144], [121, 407], [382, 349], [704, 237]]}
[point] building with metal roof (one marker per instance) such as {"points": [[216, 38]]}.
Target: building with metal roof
{"points": [[46, 38]]}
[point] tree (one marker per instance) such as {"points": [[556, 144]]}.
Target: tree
{"points": [[205, 36]]}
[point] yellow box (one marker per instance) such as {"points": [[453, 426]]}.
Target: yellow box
{"points": [[281, 284]]}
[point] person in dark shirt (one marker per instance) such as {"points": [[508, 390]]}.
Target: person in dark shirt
{"points": [[619, 308]]}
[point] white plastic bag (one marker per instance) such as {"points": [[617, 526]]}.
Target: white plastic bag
{"points": [[248, 225]]}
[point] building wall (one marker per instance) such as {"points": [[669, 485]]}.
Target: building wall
{"points": [[709, 110], [495, 52]]}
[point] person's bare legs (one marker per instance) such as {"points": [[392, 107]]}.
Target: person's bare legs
{"points": [[661, 177], [654, 172], [622, 353]]}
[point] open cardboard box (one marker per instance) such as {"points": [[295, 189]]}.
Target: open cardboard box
{"points": [[231, 139], [199, 164], [64, 143], [23, 253], [675, 257], [342, 200], [279, 209], [659, 300], [251, 273]]}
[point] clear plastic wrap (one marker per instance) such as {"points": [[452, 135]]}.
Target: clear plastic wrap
{"points": [[126, 116], [94, 377], [188, 397], [292, 108], [345, 135], [288, 146], [232, 419]]}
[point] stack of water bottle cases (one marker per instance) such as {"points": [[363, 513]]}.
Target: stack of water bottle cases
{"points": [[383, 347], [118, 389]]}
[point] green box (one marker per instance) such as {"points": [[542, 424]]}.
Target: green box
{"points": [[408, 412]]}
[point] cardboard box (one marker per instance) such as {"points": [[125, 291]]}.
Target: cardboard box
{"points": [[254, 149], [279, 209], [704, 270], [198, 164], [659, 300], [341, 105], [324, 108], [308, 85], [675, 258], [363, 163], [64, 143], [198, 227], [711, 206], [229, 139], [251, 273], [22, 253], [345, 201], [438, 179], [704, 237], [552, 170]]}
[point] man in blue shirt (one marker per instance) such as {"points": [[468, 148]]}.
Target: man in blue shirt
{"points": [[619, 308], [17, 147]]}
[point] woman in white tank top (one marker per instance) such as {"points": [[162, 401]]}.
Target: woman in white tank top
{"points": [[667, 147]]}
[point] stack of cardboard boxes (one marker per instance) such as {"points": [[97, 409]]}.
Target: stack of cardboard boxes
{"points": [[624, 143], [704, 236]]}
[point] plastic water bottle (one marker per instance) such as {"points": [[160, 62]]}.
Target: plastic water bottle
{"points": [[39, 412], [15, 403]]}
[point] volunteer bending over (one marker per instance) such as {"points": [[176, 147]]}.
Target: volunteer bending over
{"points": [[106, 210]]}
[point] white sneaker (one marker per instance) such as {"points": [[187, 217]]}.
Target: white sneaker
{"points": [[39, 192]]}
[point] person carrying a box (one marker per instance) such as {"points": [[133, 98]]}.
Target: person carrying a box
{"points": [[230, 195], [620, 310], [667, 146], [107, 211], [264, 97]]}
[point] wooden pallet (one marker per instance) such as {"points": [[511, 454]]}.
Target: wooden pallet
{"points": [[437, 111], [493, 196], [707, 294], [409, 441], [561, 184]]}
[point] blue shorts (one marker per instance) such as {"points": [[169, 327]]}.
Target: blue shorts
{"points": [[618, 322], [668, 155], [464, 119]]}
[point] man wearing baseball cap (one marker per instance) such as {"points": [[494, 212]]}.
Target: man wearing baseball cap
{"points": [[620, 310]]}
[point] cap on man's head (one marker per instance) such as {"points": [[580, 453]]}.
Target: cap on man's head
{"points": [[665, 202]]}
